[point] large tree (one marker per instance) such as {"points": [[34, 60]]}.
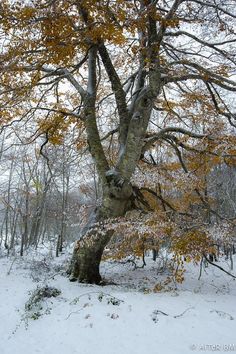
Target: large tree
{"points": [[142, 72]]}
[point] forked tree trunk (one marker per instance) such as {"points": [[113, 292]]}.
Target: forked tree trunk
{"points": [[88, 251], [116, 189]]}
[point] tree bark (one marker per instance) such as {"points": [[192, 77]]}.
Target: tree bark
{"points": [[117, 199]]}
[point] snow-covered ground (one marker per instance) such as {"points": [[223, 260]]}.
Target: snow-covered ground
{"points": [[120, 318]]}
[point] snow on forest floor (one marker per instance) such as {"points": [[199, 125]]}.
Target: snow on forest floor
{"points": [[121, 318]]}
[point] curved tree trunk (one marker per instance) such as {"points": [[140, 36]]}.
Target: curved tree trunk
{"points": [[117, 199], [87, 257]]}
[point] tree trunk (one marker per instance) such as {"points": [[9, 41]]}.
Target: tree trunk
{"points": [[117, 199], [116, 189], [87, 256]]}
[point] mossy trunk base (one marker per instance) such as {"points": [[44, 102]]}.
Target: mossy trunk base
{"points": [[89, 249], [85, 266]]}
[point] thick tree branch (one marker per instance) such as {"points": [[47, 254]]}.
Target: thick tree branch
{"points": [[68, 75], [118, 91], [93, 136], [162, 134], [185, 77], [204, 72], [204, 43]]}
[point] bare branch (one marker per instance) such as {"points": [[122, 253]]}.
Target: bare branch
{"points": [[162, 133]]}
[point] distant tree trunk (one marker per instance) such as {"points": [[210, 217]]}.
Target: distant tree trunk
{"points": [[65, 193], [25, 221], [154, 254]]}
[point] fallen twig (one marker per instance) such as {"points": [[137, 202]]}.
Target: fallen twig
{"points": [[181, 314]]}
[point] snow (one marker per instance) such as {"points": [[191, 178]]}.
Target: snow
{"points": [[120, 318]]}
